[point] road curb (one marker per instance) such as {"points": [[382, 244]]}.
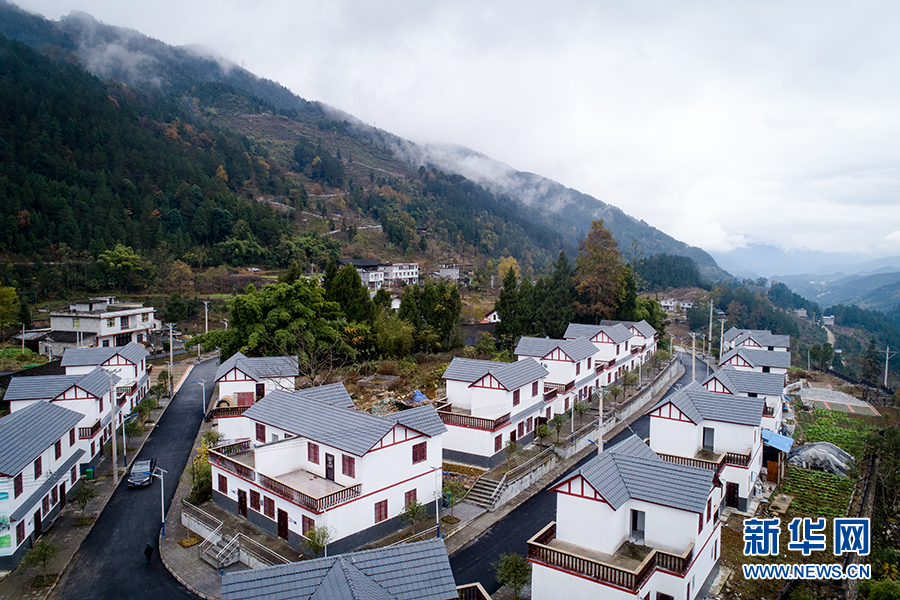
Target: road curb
{"points": [[90, 528], [189, 587]]}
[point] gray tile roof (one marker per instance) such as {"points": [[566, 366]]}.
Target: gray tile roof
{"points": [[333, 393], [415, 571], [698, 403], [577, 349], [37, 495], [763, 337], [260, 367], [510, 375], [760, 358], [738, 381], [631, 470], [423, 419], [345, 429], [645, 328], [26, 433], [96, 356], [618, 333], [47, 387]]}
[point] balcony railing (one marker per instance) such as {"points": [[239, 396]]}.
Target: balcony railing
{"points": [[550, 396], [236, 447], [540, 551], [450, 418], [227, 411], [769, 411], [728, 458], [602, 365], [233, 466], [86, 433], [472, 591], [561, 388], [306, 501]]}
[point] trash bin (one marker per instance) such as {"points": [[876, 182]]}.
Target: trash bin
{"points": [[89, 473]]}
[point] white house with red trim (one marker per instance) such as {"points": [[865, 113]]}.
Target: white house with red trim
{"points": [[489, 403], [88, 395], [492, 317], [629, 526], [243, 380], [294, 462], [761, 361], [129, 363], [570, 365], [696, 427], [759, 339], [750, 384], [616, 349], [645, 339]]}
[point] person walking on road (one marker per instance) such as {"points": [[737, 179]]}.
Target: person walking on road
{"points": [[148, 552]]}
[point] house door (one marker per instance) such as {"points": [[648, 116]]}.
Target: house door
{"points": [[637, 525], [329, 467], [38, 529], [709, 438], [62, 496], [260, 390], [282, 524], [731, 494], [242, 503]]}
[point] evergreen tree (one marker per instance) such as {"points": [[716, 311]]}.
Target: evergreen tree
{"points": [[598, 266], [626, 295], [348, 291], [557, 308], [507, 307], [871, 362]]}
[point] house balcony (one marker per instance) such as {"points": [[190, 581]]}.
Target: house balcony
{"points": [[602, 365], [299, 487], [769, 411], [629, 567], [706, 459], [460, 417], [561, 388], [550, 395], [227, 411], [87, 433]]}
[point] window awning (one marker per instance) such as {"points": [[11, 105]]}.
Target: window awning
{"points": [[777, 441]]}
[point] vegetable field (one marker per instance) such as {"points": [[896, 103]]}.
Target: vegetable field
{"points": [[817, 492], [842, 431]]}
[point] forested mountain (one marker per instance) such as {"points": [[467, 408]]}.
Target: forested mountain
{"points": [[211, 92]]}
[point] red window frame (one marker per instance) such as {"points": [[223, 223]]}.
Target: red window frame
{"points": [[312, 453], [54, 495], [74, 474], [45, 504], [348, 465], [306, 524], [409, 498], [589, 363], [381, 511], [534, 389], [521, 428], [516, 398], [20, 532], [223, 484], [268, 507], [498, 443], [254, 500], [578, 368], [57, 449], [260, 433], [17, 486], [708, 509], [528, 424], [72, 437], [419, 452], [700, 523], [38, 467]]}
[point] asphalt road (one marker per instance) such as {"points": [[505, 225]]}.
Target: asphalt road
{"points": [[110, 562], [474, 562]]}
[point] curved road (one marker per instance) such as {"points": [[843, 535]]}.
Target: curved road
{"points": [[110, 562], [474, 561]]}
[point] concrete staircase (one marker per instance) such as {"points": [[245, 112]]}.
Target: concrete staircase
{"points": [[212, 553], [482, 492]]}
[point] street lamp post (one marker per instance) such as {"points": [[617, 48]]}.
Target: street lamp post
{"points": [[112, 418], [202, 383], [206, 316], [171, 361], [693, 357], [721, 338], [160, 474]]}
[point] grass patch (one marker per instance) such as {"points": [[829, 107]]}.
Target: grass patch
{"points": [[450, 519], [44, 580], [817, 492], [83, 521], [464, 469], [188, 542]]}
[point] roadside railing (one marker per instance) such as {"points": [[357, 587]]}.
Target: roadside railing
{"points": [[520, 470]]}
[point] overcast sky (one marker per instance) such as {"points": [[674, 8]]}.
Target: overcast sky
{"points": [[720, 123]]}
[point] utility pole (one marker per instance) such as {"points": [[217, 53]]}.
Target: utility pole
{"points": [[206, 315], [112, 421], [693, 357], [710, 321], [171, 362], [722, 338], [601, 395], [887, 357]]}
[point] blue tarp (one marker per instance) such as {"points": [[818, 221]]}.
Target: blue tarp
{"points": [[419, 396], [777, 441]]}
